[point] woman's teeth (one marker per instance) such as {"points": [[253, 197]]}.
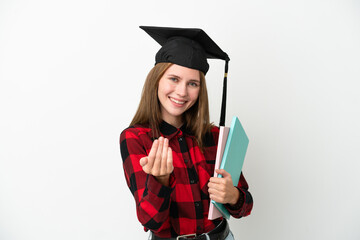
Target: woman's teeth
{"points": [[176, 101]]}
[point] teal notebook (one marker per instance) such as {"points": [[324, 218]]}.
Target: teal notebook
{"points": [[233, 157]]}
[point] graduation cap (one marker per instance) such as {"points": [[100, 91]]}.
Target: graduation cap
{"points": [[189, 47]]}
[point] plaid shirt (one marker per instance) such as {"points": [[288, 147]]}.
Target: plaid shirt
{"points": [[181, 208]]}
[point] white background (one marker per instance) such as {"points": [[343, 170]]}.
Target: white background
{"points": [[71, 74]]}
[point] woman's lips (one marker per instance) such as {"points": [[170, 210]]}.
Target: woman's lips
{"points": [[177, 101]]}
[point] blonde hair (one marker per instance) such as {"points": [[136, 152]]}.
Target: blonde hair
{"points": [[149, 111]]}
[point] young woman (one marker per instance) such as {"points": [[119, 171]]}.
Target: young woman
{"points": [[169, 149]]}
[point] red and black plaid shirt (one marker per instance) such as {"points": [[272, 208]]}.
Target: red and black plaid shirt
{"points": [[181, 208]]}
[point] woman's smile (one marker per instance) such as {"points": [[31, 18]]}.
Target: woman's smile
{"points": [[178, 102]]}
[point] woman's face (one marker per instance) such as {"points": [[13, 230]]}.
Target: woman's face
{"points": [[178, 90]]}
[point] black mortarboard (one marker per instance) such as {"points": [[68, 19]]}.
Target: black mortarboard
{"points": [[189, 47]]}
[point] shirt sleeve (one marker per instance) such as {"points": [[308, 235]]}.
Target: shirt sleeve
{"points": [[151, 197], [244, 204]]}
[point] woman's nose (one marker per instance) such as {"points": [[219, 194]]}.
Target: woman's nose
{"points": [[181, 90]]}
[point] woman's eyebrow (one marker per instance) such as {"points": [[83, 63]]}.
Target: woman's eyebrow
{"points": [[173, 75], [194, 80], [176, 76]]}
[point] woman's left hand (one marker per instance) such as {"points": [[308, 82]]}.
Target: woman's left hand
{"points": [[222, 190]]}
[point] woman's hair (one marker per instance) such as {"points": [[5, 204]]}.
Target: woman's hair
{"points": [[149, 111]]}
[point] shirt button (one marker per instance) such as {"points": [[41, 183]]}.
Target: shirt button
{"points": [[185, 160], [197, 204], [180, 139], [192, 181], [198, 228]]}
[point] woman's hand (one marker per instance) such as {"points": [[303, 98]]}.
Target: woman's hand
{"points": [[159, 163], [222, 190]]}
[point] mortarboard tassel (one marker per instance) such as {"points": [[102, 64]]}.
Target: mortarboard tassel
{"points": [[223, 102]]}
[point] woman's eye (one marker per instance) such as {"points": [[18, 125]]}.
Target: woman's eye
{"points": [[173, 79], [193, 84]]}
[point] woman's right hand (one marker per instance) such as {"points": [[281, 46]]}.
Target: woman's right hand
{"points": [[159, 163]]}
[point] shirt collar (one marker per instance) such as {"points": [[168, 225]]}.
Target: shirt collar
{"points": [[169, 131]]}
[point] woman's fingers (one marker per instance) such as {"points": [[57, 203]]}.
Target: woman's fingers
{"points": [[143, 161], [217, 183], [151, 158], [223, 172], [216, 198], [157, 162], [169, 162], [217, 193], [222, 190], [164, 155], [218, 187]]}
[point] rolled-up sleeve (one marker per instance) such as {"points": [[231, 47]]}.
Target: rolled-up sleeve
{"points": [[151, 197], [244, 204]]}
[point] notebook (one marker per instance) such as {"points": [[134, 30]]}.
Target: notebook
{"points": [[233, 155]]}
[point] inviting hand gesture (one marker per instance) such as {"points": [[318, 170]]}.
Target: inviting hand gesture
{"points": [[159, 163], [222, 190]]}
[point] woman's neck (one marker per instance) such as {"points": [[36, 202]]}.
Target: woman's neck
{"points": [[176, 122]]}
